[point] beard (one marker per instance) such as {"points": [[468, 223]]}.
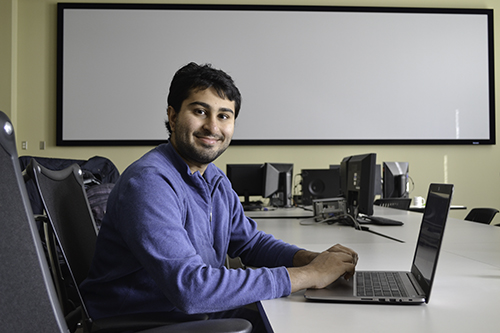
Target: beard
{"points": [[201, 154]]}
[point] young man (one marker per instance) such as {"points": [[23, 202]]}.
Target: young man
{"points": [[172, 217]]}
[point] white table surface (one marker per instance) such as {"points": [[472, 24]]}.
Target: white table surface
{"points": [[465, 296], [271, 212]]}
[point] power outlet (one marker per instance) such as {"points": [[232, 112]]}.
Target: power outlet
{"points": [[24, 145]]}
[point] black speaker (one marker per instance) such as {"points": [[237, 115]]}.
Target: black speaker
{"points": [[320, 183]]}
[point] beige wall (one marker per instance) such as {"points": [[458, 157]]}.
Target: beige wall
{"points": [[28, 96], [7, 27]]}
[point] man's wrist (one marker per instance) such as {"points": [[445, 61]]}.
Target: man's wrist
{"points": [[303, 257]]}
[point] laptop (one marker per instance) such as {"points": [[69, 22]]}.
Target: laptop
{"points": [[417, 283]]}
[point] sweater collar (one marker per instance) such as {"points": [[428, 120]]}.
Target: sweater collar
{"points": [[210, 174]]}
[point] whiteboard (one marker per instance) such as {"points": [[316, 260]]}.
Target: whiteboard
{"points": [[308, 75]]}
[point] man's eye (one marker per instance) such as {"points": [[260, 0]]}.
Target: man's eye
{"points": [[224, 116], [200, 111]]}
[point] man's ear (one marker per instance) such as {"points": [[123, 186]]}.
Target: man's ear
{"points": [[172, 117]]}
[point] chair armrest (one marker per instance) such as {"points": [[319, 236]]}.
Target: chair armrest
{"points": [[138, 322], [232, 325]]}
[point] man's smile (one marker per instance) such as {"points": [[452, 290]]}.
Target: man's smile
{"points": [[208, 139]]}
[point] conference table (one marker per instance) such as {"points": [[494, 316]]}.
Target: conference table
{"points": [[466, 292]]}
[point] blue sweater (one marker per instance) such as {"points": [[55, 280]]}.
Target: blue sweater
{"points": [[163, 243]]}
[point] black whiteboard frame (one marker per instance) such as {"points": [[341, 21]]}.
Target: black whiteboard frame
{"points": [[60, 57]]}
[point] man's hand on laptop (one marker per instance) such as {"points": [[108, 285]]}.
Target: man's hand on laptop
{"points": [[322, 268]]}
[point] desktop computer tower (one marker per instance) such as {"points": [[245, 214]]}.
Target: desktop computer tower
{"points": [[319, 184]]}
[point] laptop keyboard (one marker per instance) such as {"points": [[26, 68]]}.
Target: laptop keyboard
{"points": [[379, 284]]}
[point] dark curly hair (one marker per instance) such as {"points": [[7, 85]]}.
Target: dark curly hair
{"points": [[193, 77]]}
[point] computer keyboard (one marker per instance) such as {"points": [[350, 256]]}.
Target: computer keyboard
{"points": [[378, 220], [377, 284]]}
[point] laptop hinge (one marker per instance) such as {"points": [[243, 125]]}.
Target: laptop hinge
{"points": [[415, 284]]}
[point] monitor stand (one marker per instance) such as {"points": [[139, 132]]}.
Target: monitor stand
{"points": [[251, 205]]}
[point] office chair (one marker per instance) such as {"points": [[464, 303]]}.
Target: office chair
{"points": [[96, 170], [71, 227], [482, 215], [28, 299], [397, 203]]}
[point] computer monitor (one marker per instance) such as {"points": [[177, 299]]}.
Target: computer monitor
{"points": [[377, 181], [343, 175], [395, 179], [358, 174], [247, 180], [278, 183]]}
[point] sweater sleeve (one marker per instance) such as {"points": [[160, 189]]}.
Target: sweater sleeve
{"points": [[254, 247], [258, 249], [158, 238]]}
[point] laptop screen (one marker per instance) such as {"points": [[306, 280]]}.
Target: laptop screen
{"points": [[431, 234]]}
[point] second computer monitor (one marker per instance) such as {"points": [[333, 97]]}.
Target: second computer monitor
{"points": [[278, 183], [395, 179]]}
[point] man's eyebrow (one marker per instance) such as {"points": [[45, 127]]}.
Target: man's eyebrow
{"points": [[226, 110], [207, 106]]}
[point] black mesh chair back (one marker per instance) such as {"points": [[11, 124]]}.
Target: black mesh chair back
{"points": [[481, 215], [397, 203], [67, 209], [29, 301], [71, 234]]}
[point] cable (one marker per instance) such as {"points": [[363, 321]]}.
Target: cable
{"points": [[412, 185], [295, 183], [356, 224]]}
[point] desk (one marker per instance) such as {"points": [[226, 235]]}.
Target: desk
{"points": [[271, 212], [465, 296], [296, 212]]}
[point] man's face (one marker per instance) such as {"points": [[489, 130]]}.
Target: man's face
{"points": [[203, 128]]}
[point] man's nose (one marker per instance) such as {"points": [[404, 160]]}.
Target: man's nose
{"points": [[211, 124]]}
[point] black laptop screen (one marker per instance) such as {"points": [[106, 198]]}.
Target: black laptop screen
{"points": [[431, 234]]}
